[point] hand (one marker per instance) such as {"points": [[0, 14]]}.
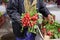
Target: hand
{"points": [[50, 19], [46, 37]]}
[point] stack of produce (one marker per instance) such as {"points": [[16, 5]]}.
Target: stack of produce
{"points": [[51, 29], [31, 21]]}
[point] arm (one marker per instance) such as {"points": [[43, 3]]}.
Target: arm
{"points": [[43, 9], [12, 10], [45, 12]]}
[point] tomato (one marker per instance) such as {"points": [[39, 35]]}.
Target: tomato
{"points": [[28, 22]]}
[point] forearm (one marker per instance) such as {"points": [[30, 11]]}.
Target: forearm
{"points": [[43, 9]]}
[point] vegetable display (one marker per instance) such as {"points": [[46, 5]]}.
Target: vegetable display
{"points": [[31, 20], [52, 30]]}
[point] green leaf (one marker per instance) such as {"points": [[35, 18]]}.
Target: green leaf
{"points": [[56, 36], [39, 21], [22, 15], [59, 35], [0, 14], [6, 1], [22, 29], [35, 26], [52, 30], [28, 29]]}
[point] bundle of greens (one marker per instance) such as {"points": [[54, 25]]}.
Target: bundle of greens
{"points": [[52, 30]]}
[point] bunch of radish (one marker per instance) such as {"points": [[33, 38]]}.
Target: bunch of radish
{"points": [[28, 21]]}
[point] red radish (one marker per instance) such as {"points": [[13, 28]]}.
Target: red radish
{"points": [[49, 33], [36, 15], [43, 30], [51, 22], [27, 18], [29, 24], [58, 29], [34, 22], [34, 18], [24, 25]]}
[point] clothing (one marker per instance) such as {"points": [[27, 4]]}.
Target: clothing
{"points": [[0, 2], [15, 8], [2, 9], [58, 2], [30, 36]]}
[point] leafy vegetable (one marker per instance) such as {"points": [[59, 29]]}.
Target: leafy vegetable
{"points": [[0, 14], [54, 28]]}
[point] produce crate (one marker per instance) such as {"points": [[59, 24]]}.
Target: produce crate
{"points": [[2, 20]]}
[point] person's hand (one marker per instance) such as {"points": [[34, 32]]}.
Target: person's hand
{"points": [[50, 19], [46, 37]]}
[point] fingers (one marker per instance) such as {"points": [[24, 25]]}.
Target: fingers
{"points": [[46, 37], [50, 19]]}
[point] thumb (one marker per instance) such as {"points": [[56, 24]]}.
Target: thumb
{"points": [[46, 37]]}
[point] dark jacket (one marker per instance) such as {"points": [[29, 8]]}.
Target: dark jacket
{"points": [[0, 2], [16, 7]]}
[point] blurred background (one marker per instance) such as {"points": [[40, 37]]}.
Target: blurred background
{"points": [[5, 22]]}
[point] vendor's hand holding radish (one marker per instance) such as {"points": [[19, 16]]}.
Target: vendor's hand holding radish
{"points": [[50, 19]]}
